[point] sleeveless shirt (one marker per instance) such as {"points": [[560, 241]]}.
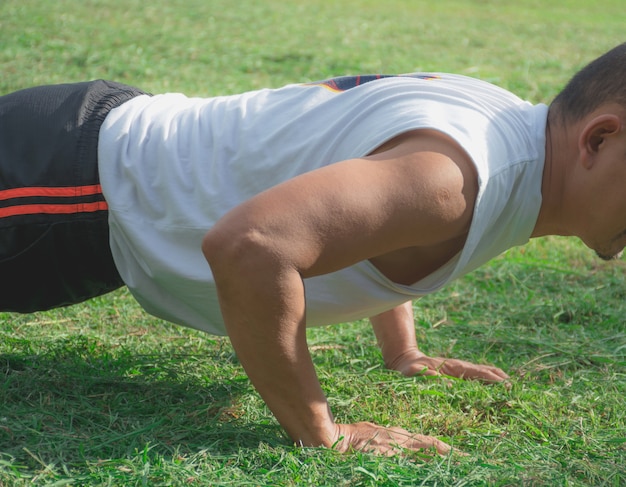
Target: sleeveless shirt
{"points": [[171, 166]]}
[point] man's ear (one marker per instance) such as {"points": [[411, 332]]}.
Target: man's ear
{"points": [[594, 134]]}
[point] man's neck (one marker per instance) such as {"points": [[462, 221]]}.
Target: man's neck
{"points": [[554, 218]]}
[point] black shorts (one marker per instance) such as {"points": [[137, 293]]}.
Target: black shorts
{"points": [[54, 237]]}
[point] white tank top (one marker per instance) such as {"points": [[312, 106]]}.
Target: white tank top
{"points": [[171, 166]]}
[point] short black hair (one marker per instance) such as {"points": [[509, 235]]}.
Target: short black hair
{"points": [[601, 81]]}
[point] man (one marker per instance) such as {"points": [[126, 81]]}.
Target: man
{"points": [[258, 214]]}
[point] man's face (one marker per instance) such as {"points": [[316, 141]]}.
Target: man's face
{"points": [[608, 239]]}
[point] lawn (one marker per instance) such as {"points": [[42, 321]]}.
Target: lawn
{"points": [[103, 394]]}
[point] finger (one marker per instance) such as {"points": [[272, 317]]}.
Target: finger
{"points": [[416, 369], [467, 370], [422, 442], [406, 440], [490, 376], [498, 372], [493, 374]]}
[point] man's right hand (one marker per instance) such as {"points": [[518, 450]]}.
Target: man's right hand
{"points": [[372, 438]]}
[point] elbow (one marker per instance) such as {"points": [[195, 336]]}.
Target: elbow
{"points": [[231, 252], [212, 247], [221, 248]]}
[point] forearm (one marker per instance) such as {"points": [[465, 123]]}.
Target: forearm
{"points": [[395, 333], [264, 309]]}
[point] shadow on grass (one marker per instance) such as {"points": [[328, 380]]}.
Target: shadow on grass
{"points": [[78, 403]]}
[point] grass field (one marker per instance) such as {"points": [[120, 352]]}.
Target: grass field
{"points": [[103, 394]]}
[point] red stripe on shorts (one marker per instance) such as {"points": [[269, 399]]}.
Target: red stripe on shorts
{"points": [[53, 209], [50, 192], [54, 204]]}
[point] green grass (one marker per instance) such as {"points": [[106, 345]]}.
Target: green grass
{"points": [[103, 394]]}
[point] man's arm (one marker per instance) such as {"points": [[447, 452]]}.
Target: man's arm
{"points": [[265, 322], [419, 192], [395, 333]]}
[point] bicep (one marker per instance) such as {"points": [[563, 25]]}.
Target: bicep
{"points": [[353, 210]]}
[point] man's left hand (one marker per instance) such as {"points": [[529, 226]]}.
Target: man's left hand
{"points": [[415, 362]]}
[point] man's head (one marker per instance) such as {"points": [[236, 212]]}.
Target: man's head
{"points": [[587, 152], [601, 81]]}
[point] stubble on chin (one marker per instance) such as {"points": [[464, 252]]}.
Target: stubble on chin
{"points": [[609, 257]]}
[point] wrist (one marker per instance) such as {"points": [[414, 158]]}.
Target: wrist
{"points": [[318, 430], [327, 437], [398, 360]]}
